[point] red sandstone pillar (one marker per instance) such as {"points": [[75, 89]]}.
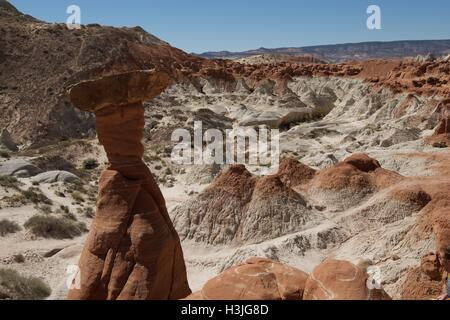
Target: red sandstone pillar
{"points": [[132, 252]]}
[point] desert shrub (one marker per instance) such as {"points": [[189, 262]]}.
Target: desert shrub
{"points": [[152, 158], [7, 227], [4, 154], [70, 216], [45, 209], [34, 195], [9, 182], [17, 287], [89, 212], [60, 194], [53, 227], [77, 185], [90, 164], [19, 258], [77, 197]]}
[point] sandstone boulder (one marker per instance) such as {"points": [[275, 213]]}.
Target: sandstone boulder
{"points": [[18, 168], [337, 280], [257, 279], [54, 176], [427, 281]]}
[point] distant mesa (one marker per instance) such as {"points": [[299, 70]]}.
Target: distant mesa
{"points": [[349, 51]]}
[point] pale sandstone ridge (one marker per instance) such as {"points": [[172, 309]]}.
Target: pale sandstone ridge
{"points": [[132, 251]]}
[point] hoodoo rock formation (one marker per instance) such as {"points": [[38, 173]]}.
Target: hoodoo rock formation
{"points": [[257, 279], [133, 251]]}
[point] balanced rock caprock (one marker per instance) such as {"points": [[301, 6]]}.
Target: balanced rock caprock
{"points": [[132, 251]]}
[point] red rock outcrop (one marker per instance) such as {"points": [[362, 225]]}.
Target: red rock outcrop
{"points": [[339, 280], [132, 251], [294, 173], [441, 135], [257, 279], [424, 282], [358, 173], [241, 208]]}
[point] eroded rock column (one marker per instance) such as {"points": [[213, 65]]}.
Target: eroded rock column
{"points": [[132, 251]]}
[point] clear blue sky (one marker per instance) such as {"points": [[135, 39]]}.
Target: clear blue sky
{"points": [[236, 25]]}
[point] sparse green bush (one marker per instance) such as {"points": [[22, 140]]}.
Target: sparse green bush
{"points": [[7, 227], [76, 185], [19, 258], [56, 228], [77, 197], [70, 216], [46, 209], [34, 195], [9, 182], [89, 212], [60, 194], [152, 158], [17, 287], [4, 154]]}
